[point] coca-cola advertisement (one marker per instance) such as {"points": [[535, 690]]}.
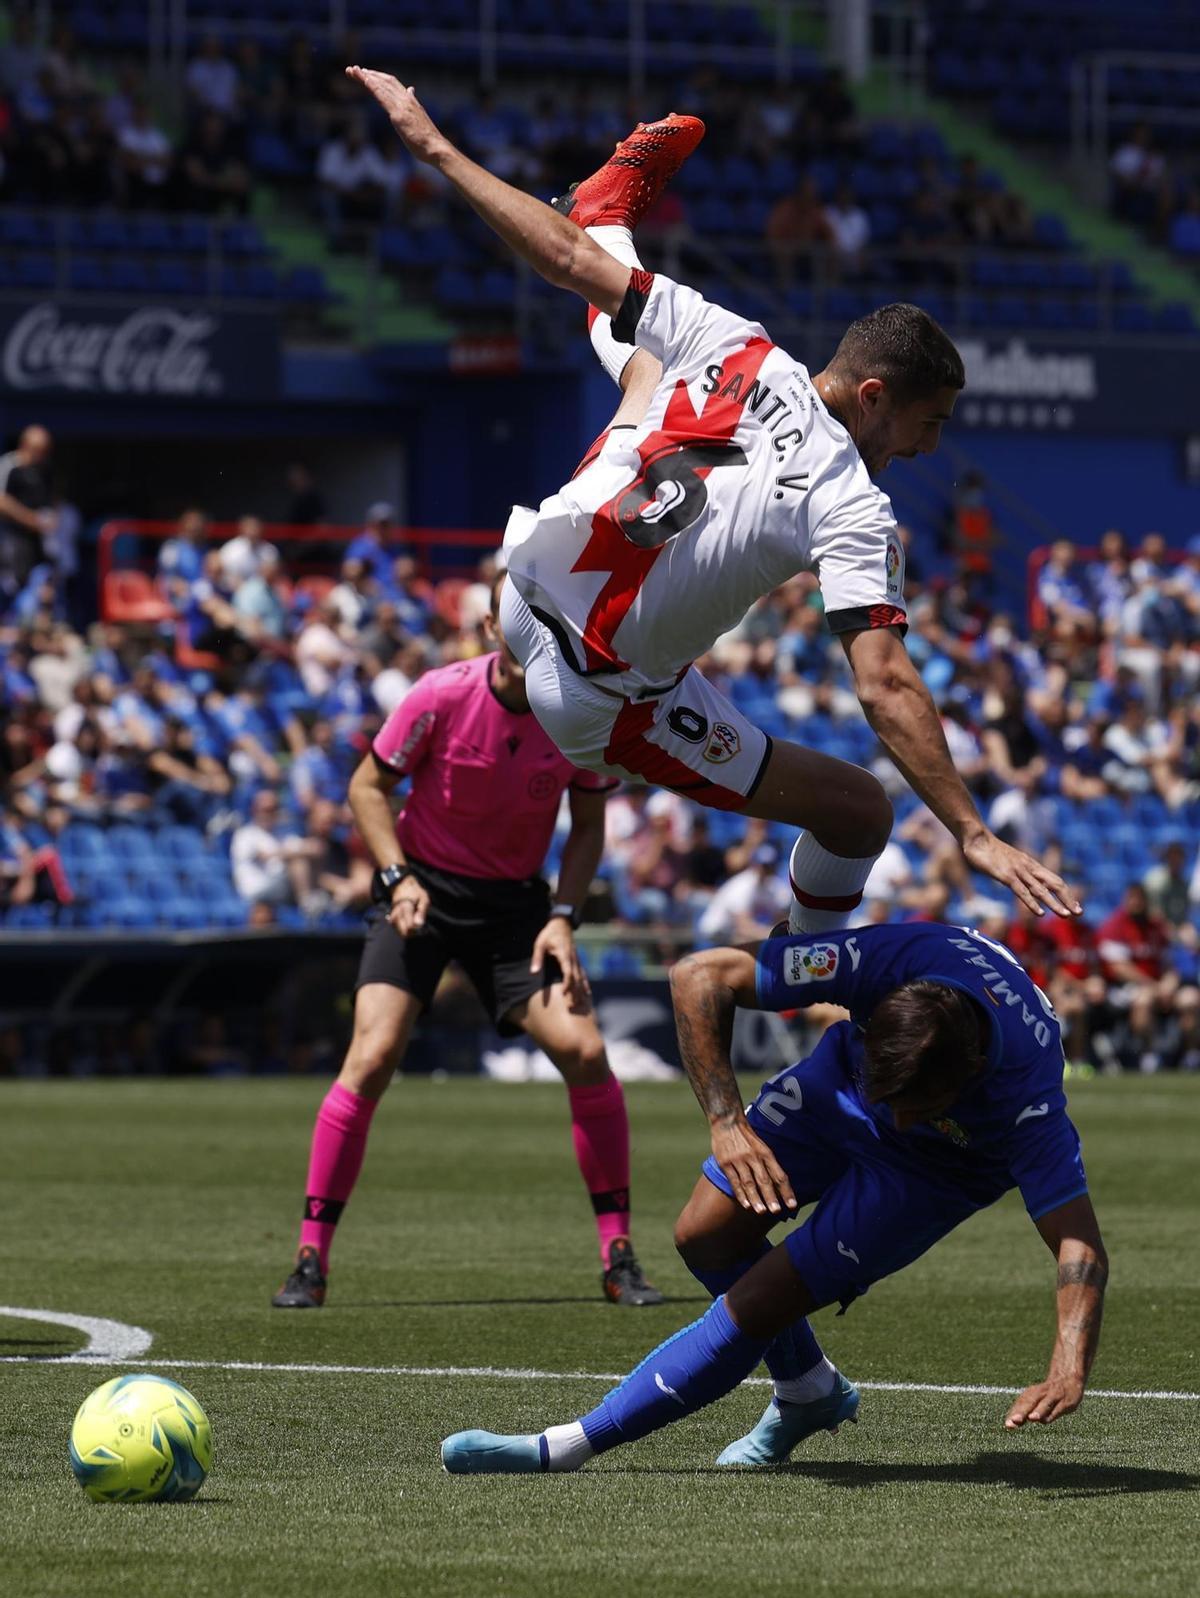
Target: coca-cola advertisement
{"points": [[158, 352]]}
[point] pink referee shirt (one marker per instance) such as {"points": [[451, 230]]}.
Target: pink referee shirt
{"points": [[486, 780]]}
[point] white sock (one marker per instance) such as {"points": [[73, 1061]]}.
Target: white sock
{"points": [[567, 1446], [613, 356], [818, 1382], [821, 875]]}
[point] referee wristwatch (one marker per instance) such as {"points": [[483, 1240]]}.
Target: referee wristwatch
{"points": [[389, 879], [568, 913]]}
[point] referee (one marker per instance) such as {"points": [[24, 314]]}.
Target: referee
{"points": [[459, 879]]}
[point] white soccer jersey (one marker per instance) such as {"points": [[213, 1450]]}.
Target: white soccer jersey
{"points": [[737, 479]]}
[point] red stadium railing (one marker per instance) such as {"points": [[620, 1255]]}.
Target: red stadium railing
{"points": [[310, 555]]}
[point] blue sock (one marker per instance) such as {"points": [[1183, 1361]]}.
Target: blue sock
{"points": [[794, 1351], [697, 1366]]}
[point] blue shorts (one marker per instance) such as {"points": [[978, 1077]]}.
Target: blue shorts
{"points": [[877, 1211]]}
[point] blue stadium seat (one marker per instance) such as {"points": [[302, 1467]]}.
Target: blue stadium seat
{"points": [[306, 285], [34, 272], [129, 277]]}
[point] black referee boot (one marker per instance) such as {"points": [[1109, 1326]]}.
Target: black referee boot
{"points": [[305, 1287], [623, 1282]]}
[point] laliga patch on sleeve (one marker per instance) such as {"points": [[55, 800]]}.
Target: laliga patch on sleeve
{"points": [[895, 567], [809, 962]]}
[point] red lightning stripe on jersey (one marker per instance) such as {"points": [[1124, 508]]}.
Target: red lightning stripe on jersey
{"points": [[608, 549]]}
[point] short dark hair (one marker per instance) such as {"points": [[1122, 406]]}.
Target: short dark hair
{"points": [[905, 348], [925, 1037]]}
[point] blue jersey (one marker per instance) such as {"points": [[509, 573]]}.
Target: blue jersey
{"points": [[1010, 1127]]}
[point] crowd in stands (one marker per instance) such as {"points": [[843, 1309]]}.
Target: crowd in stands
{"points": [[196, 777], [793, 186], [1157, 194]]}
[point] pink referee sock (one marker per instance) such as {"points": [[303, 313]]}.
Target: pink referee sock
{"points": [[600, 1130], [338, 1145]]}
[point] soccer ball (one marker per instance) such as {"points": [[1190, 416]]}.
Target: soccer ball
{"points": [[140, 1438]]}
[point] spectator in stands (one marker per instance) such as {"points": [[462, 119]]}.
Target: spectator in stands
{"points": [[72, 78], [306, 503], [396, 676], [1133, 944], [257, 601], [374, 544], [271, 863], [214, 178], [321, 651], [830, 106], [21, 55], [1061, 590], [655, 868], [128, 89], [748, 905], [354, 177], [971, 204], [1141, 755], [181, 558], [318, 772], [410, 595], [796, 224], [28, 870], [1139, 178], [249, 740], [1014, 754], [344, 880], [248, 554], [1167, 883], [488, 136], [26, 508], [355, 597], [1183, 235], [145, 161], [849, 229], [1086, 759], [1108, 580], [1187, 1018], [258, 84], [1145, 1038], [185, 782], [213, 624], [212, 80], [889, 881]]}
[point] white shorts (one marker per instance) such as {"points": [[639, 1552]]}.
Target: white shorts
{"points": [[687, 737]]}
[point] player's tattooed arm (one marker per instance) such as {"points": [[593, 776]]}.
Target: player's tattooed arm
{"points": [[1073, 1235], [706, 990]]}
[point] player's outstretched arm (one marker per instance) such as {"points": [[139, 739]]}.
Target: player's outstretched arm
{"points": [[1073, 1237], [900, 709], [557, 249], [706, 990]]}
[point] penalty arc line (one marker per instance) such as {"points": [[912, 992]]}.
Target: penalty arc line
{"points": [[505, 1373]]}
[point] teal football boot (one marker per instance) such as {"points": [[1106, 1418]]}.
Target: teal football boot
{"points": [[784, 1425]]}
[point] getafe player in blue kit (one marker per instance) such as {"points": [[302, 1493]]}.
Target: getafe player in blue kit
{"points": [[942, 1091]]}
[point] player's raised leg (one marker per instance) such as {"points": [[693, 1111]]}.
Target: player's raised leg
{"points": [[384, 1017], [685, 1373], [568, 1033]]}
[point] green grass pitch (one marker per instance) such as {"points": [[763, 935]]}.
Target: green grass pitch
{"points": [[469, 1243]]}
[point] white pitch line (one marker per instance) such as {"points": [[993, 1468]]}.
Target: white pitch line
{"points": [[107, 1341], [506, 1373]]}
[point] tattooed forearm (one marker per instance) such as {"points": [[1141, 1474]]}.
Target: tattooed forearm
{"points": [[704, 1012], [1083, 1273]]}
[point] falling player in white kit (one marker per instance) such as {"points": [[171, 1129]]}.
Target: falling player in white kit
{"points": [[724, 473]]}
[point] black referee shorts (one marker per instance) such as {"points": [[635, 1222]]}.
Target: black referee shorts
{"points": [[488, 926]]}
